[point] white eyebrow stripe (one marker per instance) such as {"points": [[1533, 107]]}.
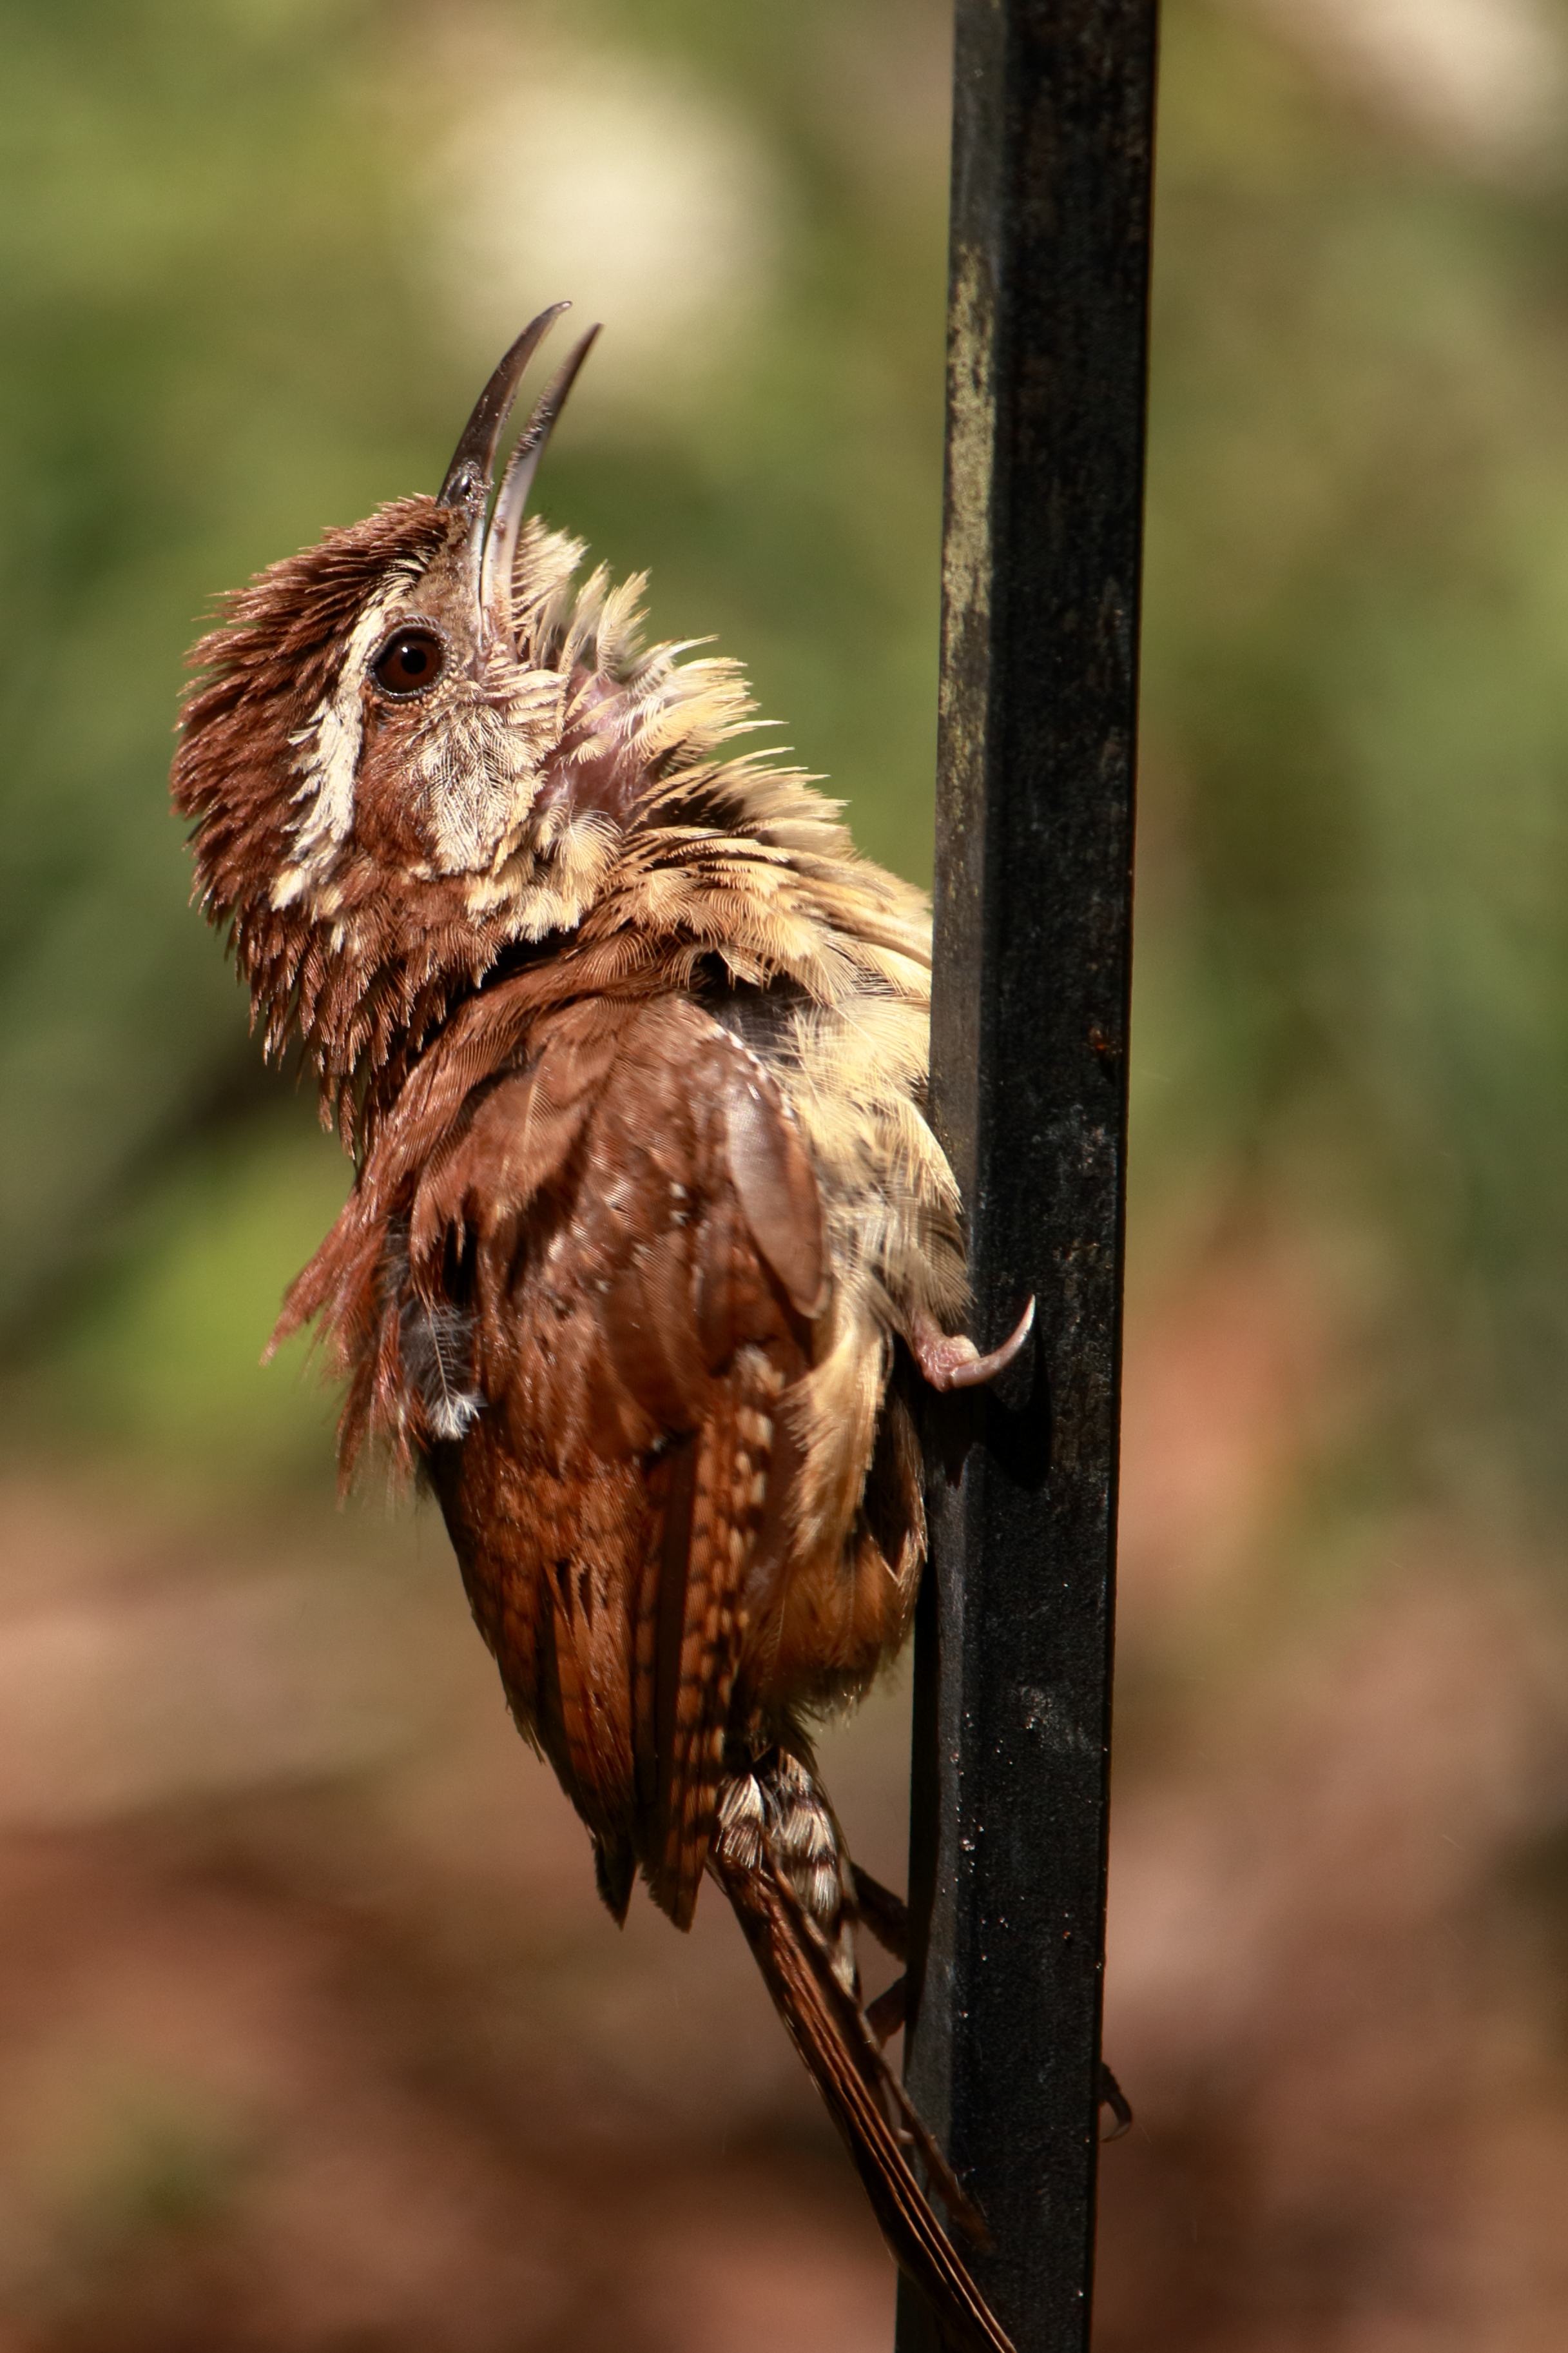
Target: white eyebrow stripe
{"points": [[330, 748]]}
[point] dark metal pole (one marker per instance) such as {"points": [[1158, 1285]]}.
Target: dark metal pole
{"points": [[1047, 332]]}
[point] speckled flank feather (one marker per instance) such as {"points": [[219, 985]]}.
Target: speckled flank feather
{"points": [[649, 1231]]}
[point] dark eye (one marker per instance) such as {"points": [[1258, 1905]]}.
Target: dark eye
{"points": [[411, 662]]}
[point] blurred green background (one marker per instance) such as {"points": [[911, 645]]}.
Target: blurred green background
{"points": [[255, 257], [255, 260]]}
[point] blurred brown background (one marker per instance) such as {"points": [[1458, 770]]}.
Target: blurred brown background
{"points": [[311, 2032]]}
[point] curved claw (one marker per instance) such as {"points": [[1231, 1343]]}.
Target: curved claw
{"points": [[1113, 2098], [886, 1915], [885, 2015], [951, 1361]]}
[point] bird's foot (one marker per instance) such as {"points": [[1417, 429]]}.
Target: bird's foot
{"points": [[950, 1360], [1113, 2098], [886, 1915], [887, 2014]]}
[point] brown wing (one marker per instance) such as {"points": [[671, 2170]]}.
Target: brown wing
{"points": [[638, 1227]]}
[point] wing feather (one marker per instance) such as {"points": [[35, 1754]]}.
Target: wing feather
{"points": [[646, 1244], [705, 1609]]}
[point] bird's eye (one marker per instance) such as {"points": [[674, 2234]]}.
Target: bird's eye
{"points": [[410, 663]]}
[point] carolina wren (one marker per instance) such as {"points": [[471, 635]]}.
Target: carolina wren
{"points": [[649, 1240]]}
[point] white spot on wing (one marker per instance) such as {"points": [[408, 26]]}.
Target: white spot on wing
{"points": [[453, 1417]]}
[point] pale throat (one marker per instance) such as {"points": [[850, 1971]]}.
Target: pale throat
{"points": [[478, 772]]}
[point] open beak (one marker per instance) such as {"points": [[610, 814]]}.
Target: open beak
{"points": [[471, 474], [506, 523]]}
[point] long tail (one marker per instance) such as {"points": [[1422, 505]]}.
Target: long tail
{"points": [[779, 1858]]}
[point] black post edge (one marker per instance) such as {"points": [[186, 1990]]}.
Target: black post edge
{"points": [[1053, 130]]}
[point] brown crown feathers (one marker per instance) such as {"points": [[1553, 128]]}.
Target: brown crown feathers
{"points": [[649, 1236]]}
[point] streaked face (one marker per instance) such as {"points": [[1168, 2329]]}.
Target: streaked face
{"points": [[427, 748]]}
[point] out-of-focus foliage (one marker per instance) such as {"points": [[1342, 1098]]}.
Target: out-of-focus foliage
{"points": [[1357, 714], [257, 255], [196, 368], [239, 305], [311, 2031]]}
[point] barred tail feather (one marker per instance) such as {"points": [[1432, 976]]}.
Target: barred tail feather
{"points": [[770, 1856]]}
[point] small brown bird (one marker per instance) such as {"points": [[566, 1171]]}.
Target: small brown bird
{"points": [[649, 1240]]}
